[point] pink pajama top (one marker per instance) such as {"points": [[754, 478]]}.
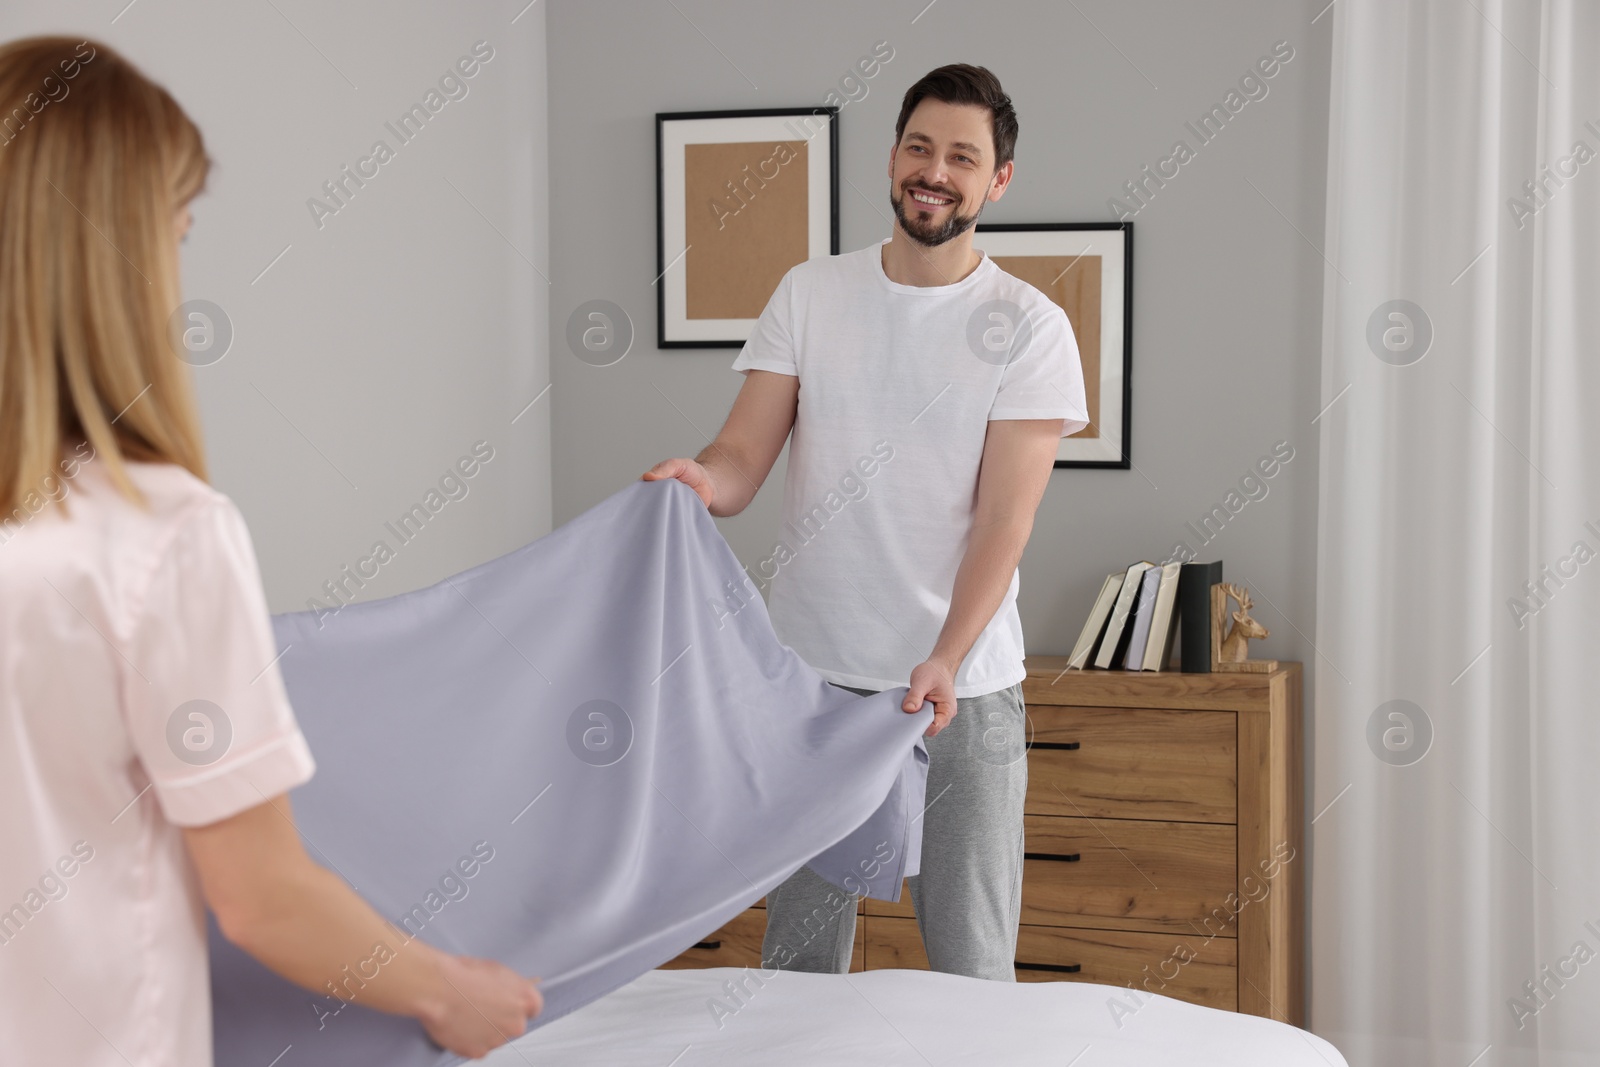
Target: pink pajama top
{"points": [[139, 693]]}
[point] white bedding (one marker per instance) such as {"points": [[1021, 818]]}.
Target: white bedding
{"points": [[882, 1018]]}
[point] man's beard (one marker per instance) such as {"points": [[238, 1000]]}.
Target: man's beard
{"points": [[924, 231]]}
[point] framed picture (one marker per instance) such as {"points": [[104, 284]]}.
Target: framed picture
{"points": [[1087, 269], [741, 196]]}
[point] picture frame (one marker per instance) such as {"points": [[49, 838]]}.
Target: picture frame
{"points": [[1086, 269], [741, 196]]}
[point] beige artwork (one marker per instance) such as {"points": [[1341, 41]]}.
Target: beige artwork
{"points": [[746, 210], [1073, 283]]}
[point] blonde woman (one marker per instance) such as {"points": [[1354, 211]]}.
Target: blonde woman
{"points": [[146, 743]]}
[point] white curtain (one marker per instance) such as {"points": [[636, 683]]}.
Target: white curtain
{"points": [[1455, 854]]}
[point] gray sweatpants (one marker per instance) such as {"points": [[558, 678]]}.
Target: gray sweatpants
{"points": [[969, 895]]}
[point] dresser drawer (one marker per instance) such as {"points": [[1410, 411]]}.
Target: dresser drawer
{"points": [[1133, 763], [1197, 969], [901, 907], [1194, 969], [1125, 874], [894, 942], [762, 903], [738, 944]]}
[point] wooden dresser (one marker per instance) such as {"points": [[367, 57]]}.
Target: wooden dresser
{"points": [[1164, 841]]}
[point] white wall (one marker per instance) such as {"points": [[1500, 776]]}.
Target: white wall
{"points": [[413, 323]]}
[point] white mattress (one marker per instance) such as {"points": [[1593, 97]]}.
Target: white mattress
{"points": [[891, 1017]]}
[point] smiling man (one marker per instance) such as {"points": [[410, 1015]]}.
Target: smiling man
{"points": [[919, 347]]}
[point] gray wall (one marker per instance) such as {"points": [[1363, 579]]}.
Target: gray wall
{"points": [[1227, 276], [413, 323]]}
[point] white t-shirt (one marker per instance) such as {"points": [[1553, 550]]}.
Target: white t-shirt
{"points": [[112, 623], [897, 386]]}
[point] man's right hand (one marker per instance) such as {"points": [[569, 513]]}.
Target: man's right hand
{"points": [[688, 472]]}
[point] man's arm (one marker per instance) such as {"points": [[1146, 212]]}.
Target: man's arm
{"points": [[731, 468], [1018, 456]]}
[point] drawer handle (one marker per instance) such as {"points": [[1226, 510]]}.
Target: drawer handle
{"points": [[1068, 746], [1060, 968], [708, 944], [1072, 857]]}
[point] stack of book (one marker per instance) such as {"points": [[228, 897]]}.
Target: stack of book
{"points": [[1137, 614]]}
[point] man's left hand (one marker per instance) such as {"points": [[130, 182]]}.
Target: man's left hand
{"points": [[933, 681]]}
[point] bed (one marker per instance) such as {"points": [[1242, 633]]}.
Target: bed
{"points": [[883, 1018]]}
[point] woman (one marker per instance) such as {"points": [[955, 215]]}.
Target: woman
{"points": [[146, 743]]}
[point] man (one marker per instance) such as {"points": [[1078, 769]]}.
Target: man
{"points": [[932, 388]]}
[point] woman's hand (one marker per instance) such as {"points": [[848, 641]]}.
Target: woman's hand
{"points": [[485, 1005], [303, 922]]}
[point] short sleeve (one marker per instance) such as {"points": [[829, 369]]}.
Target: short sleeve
{"points": [[771, 343], [1046, 381], [207, 709]]}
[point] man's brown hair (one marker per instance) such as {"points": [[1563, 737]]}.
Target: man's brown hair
{"points": [[963, 83]]}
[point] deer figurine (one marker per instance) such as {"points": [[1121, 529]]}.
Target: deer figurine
{"points": [[1235, 646]]}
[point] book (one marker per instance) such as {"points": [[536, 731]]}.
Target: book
{"points": [[1194, 613], [1163, 619], [1143, 612], [1089, 639], [1115, 642]]}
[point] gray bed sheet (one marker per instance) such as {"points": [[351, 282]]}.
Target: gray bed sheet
{"points": [[579, 759]]}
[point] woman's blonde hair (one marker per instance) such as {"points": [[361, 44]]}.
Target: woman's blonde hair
{"points": [[95, 162]]}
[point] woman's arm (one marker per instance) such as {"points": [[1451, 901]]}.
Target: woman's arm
{"points": [[303, 923]]}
